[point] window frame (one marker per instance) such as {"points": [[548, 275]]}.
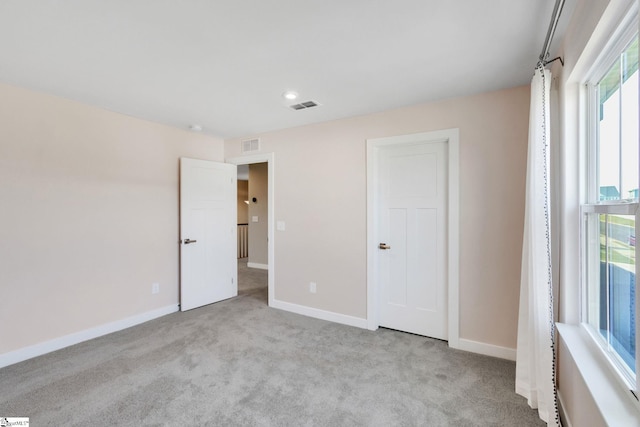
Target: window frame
{"points": [[591, 204]]}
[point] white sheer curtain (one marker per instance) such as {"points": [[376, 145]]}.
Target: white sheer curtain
{"points": [[535, 371]]}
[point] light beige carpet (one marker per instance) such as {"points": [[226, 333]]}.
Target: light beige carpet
{"points": [[240, 363]]}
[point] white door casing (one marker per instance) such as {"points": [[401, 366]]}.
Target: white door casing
{"points": [[268, 158], [412, 189], [208, 263]]}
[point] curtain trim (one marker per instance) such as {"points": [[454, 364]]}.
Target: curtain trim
{"points": [[547, 186]]}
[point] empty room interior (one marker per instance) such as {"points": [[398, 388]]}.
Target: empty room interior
{"points": [[319, 213]]}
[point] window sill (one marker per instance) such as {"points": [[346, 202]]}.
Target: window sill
{"points": [[615, 403]]}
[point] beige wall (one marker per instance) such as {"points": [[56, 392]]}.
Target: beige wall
{"points": [[243, 208], [320, 194], [89, 215], [578, 403], [258, 231]]}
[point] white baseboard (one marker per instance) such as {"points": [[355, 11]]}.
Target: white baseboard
{"points": [[486, 349], [321, 314], [463, 344], [35, 350], [258, 265]]}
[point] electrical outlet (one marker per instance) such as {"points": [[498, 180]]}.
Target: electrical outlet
{"points": [[312, 287], [155, 288]]}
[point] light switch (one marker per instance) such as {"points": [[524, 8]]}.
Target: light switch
{"points": [[254, 219], [280, 226]]}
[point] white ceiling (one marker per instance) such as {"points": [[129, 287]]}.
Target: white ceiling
{"points": [[224, 64]]}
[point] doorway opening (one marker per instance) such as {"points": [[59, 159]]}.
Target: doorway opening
{"points": [[253, 259], [256, 261]]}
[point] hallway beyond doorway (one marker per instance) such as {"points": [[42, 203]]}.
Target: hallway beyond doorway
{"points": [[252, 281]]}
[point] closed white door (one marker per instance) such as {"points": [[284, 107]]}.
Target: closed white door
{"points": [[412, 253], [208, 263]]}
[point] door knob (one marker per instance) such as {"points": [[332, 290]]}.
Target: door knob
{"points": [[384, 246], [187, 241]]}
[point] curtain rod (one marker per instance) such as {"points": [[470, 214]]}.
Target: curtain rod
{"points": [[557, 10]]}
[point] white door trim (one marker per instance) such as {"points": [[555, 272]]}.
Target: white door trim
{"points": [[451, 137], [268, 158]]}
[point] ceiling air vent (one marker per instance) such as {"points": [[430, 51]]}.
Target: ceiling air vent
{"points": [[250, 145], [304, 105]]}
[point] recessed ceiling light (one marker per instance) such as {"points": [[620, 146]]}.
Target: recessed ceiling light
{"points": [[196, 128], [290, 95]]}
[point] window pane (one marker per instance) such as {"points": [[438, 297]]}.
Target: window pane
{"points": [[612, 282], [629, 122], [609, 135], [618, 128]]}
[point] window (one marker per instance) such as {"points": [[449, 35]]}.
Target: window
{"points": [[610, 212]]}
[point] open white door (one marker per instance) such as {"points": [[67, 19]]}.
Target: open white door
{"points": [[208, 263]]}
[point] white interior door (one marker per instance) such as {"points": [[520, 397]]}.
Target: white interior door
{"points": [[412, 255], [208, 263]]}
